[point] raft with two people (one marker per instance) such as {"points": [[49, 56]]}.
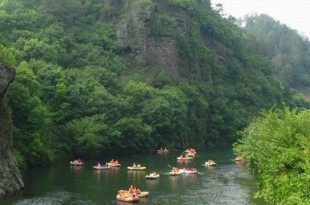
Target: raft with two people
{"points": [[190, 171], [99, 167], [77, 162], [126, 197], [190, 152], [114, 163], [176, 171], [140, 194], [186, 157], [210, 163], [162, 151], [153, 175], [136, 190], [137, 167], [132, 195]]}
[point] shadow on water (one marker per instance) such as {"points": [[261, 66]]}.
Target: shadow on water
{"points": [[226, 183]]}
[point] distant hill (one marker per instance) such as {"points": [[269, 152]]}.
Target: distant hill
{"points": [[288, 50]]}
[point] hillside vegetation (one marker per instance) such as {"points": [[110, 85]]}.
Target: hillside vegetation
{"points": [[288, 50], [98, 76]]}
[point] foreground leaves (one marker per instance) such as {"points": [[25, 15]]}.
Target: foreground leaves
{"points": [[276, 146]]}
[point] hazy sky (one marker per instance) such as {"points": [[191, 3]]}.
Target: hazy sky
{"points": [[294, 13]]}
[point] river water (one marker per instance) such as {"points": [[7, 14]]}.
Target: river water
{"points": [[62, 184]]}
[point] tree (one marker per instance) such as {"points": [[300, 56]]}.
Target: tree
{"points": [[67, 11], [276, 147], [134, 134], [87, 136], [31, 117]]}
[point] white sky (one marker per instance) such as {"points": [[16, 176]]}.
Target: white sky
{"points": [[294, 13]]}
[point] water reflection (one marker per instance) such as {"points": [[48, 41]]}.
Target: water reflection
{"points": [[210, 169], [143, 200], [98, 174], [240, 163], [183, 162], [75, 169], [113, 173], [122, 203], [136, 176], [152, 183], [174, 182]]}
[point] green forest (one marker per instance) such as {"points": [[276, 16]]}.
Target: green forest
{"points": [[80, 89]]}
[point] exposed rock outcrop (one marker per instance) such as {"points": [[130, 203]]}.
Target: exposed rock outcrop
{"points": [[10, 178], [147, 52], [147, 31]]}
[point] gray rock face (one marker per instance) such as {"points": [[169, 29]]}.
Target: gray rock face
{"points": [[10, 178], [146, 52]]}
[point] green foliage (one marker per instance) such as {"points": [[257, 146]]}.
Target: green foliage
{"points": [[31, 117], [276, 148], [75, 94], [67, 11], [184, 4], [20, 158], [134, 134], [8, 56], [90, 135]]}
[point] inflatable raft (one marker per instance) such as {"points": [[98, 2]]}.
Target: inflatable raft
{"points": [[210, 164], [127, 197], [152, 176], [76, 163], [175, 173], [114, 165], [136, 168], [101, 167]]}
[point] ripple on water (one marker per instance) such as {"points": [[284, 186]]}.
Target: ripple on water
{"points": [[57, 198], [220, 186]]}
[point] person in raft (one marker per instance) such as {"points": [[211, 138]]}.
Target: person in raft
{"points": [[131, 190], [122, 194], [137, 190], [175, 169]]}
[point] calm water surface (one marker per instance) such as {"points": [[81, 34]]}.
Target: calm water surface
{"points": [[62, 184]]}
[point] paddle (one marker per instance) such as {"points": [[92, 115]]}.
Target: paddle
{"points": [[169, 166]]}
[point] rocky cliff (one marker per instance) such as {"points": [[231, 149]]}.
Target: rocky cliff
{"points": [[10, 178], [134, 21], [148, 33]]}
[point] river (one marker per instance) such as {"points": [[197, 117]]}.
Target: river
{"points": [[62, 184]]}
